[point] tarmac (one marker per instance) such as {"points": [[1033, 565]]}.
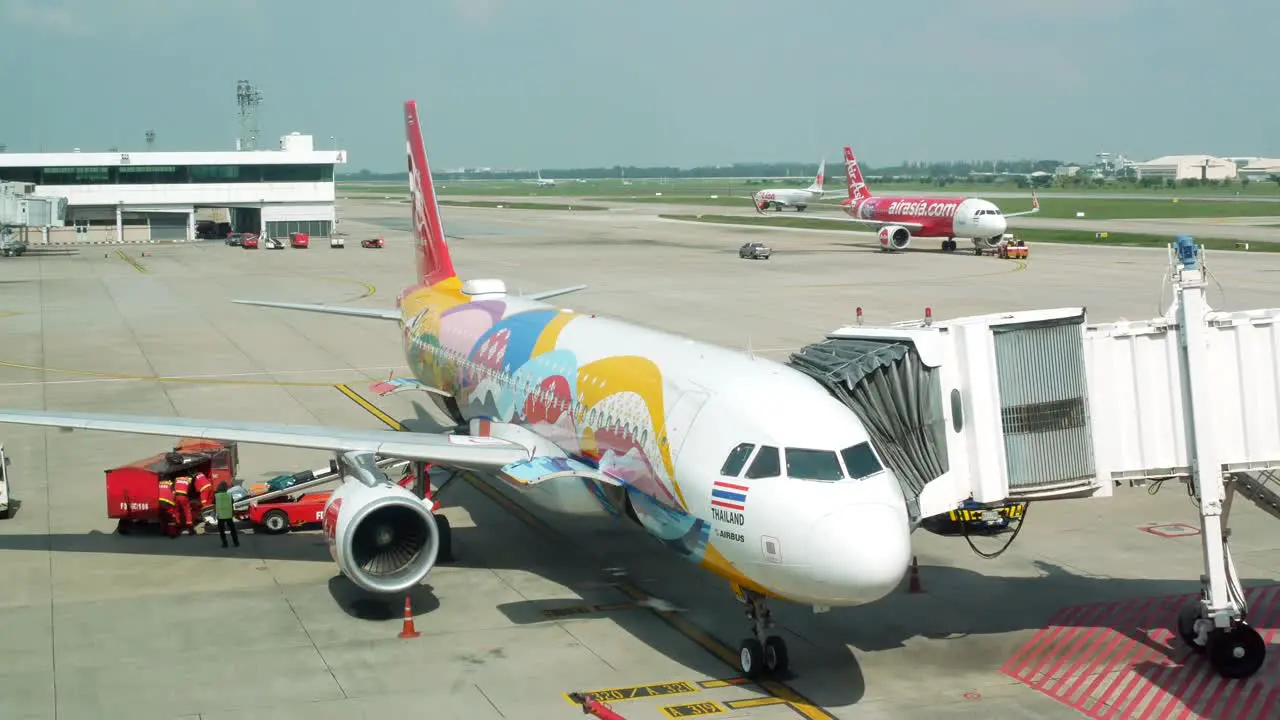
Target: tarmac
{"points": [[1072, 621], [1258, 229]]}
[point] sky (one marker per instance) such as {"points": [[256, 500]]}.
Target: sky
{"points": [[593, 83]]}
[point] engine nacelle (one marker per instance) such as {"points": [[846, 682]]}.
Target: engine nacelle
{"points": [[383, 538], [894, 237], [990, 243]]}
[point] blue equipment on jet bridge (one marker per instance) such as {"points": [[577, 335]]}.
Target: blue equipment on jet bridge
{"points": [[1038, 405]]}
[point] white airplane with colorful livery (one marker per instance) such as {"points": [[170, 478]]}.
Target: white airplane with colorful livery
{"points": [[778, 198], [743, 465]]}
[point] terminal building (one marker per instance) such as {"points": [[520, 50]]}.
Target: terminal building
{"points": [[159, 196]]}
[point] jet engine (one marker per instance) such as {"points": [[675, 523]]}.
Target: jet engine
{"points": [[894, 237], [383, 538], [990, 242]]}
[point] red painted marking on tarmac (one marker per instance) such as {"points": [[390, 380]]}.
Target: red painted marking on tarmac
{"points": [[1173, 530], [1122, 660]]}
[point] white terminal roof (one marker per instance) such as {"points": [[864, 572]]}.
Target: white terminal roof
{"points": [[1183, 159], [150, 159]]}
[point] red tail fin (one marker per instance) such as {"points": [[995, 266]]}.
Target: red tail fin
{"points": [[858, 189], [434, 263]]}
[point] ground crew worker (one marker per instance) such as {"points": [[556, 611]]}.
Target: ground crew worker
{"points": [[167, 524], [225, 509], [204, 486], [182, 503]]}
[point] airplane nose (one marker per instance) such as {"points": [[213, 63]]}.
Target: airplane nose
{"points": [[862, 551]]}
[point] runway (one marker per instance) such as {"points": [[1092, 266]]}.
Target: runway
{"points": [[538, 607], [1244, 229]]}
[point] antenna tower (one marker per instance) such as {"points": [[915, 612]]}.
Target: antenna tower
{"points": [[151, 140], [247, 100]]}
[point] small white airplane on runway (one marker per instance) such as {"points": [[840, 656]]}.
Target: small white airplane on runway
{"points": [[778, 198], [542, 182], [745, 466]]}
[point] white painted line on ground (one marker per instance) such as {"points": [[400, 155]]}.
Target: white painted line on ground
{"points": [[199, 377]]}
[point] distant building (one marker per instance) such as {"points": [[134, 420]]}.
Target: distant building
{"points": [[1186, 167], [1258, 168], [155, 196]]}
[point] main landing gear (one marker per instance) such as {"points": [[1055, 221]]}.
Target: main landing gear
{"points": [[949, 245], [763, 653]]}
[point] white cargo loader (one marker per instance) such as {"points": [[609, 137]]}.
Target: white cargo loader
{"points": [[1038, 405]]}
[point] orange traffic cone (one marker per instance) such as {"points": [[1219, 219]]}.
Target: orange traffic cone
{"points": [[408, 631], [914, 585]]}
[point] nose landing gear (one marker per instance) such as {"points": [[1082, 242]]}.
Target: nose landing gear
{"points": [[763, 653]]}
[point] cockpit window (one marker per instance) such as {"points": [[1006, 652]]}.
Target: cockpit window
{"points": [[813, 464], [766, 463], [860, 460], [737, 458]]}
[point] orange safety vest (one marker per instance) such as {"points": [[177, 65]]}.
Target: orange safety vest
{"points": [[166, 493], [205, 488], [181, 486]]}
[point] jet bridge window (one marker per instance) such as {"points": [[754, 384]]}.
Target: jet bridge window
{"points": [[767, 464], [805, 464], [860, 460], [737, 459]]}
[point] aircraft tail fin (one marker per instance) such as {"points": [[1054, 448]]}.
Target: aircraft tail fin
{"points": [[430, 249], [817, 181], [858, 190]]}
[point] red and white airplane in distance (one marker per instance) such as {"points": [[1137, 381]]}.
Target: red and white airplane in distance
{"points": [[899, 217], [778, 198]]}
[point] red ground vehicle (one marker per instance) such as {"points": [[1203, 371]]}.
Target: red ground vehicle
{"points": [[300, 240], [250, 242], [374, 243], [133, 489], [280, 514]]}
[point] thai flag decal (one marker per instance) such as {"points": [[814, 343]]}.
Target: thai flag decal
{"points": [[729, 496]]}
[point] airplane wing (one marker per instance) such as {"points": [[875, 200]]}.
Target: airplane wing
{"points": [[546, 294], [1035, 207], [463, 451], [881, 223], [376, 313]]}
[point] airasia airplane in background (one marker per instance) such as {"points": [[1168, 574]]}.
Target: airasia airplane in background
{"points": [[899, 218]]}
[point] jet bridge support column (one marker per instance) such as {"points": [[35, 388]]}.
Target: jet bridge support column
{"points": [[1216, 624]]}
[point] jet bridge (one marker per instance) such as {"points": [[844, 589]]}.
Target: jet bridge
{"points": [[1040, 405]]}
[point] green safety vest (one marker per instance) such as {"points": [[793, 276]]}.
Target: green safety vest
{"points": [[222, 503]]}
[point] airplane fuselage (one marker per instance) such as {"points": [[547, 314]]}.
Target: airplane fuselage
{"points": [[790, 197], [665, 417], [938, 217]]}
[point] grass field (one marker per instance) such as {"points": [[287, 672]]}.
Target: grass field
{"points": [[1100, 208], [519, 205], [726, 188], [1031, 235]]}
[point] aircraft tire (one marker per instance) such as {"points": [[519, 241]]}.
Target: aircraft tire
{"points": [[751, 658], [776, 660]]}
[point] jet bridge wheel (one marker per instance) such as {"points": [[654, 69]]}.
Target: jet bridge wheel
{"points": [[1187, 617], [1237, 651]]}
